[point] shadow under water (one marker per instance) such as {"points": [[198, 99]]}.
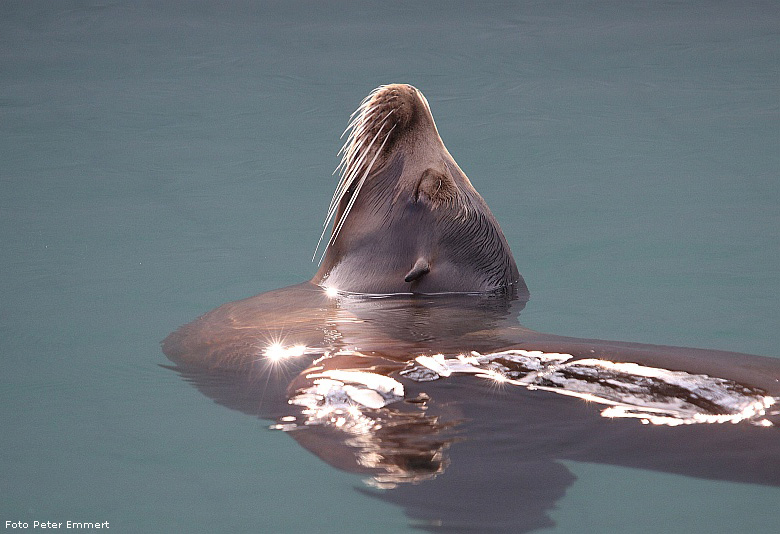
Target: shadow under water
{"points": [[459, 414]]}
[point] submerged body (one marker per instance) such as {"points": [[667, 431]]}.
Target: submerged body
{"points": [[347, 377], [409, 333]]}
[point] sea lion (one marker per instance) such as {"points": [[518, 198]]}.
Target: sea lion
{"points": [[406, 219], [372, 373]]}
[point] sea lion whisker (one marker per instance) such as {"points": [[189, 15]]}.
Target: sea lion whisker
{"points": [[356, 193], [355, 144], [356, 167], [348, 165], [337, 195], [360, 125], [357, 123], [348, 175], [350, 172], [353, 120], [331, 212]]}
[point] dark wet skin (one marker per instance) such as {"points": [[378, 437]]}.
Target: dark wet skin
{"points": [[483, 457]]}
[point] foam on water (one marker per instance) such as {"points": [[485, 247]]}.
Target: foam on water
{"points": [[653, 395], [346, 398]]}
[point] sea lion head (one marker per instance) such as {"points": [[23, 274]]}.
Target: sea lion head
{"points": [[406, 219]]}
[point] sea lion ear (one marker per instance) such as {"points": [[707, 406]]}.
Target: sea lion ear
{"points": [[436, 187], [421, 267]]}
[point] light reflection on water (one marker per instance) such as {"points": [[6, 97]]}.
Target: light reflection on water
{"points": [[352, 401], [161, 159]]}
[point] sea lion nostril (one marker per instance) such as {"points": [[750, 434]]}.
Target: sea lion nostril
{"points": [[421, 267]]}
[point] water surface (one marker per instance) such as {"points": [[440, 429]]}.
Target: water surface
{"points": [[159, 160]]}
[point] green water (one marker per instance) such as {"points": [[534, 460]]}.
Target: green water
{"points": [[159, 159]]}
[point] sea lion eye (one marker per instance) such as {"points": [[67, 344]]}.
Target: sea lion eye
{"points": [[436, 187]]}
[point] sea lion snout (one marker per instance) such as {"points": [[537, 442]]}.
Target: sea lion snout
{"points": [[391, 113], [400, 101]]}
